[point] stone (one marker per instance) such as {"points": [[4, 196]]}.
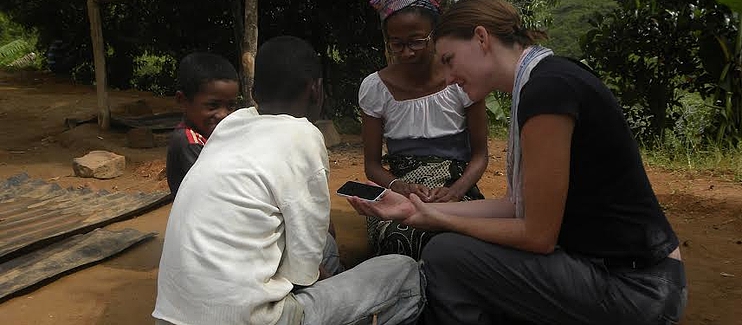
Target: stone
{"points": [[140, 138], [99, 164], [332, 137]]}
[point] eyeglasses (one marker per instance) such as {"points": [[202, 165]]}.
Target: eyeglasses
{"points": [[414, 45]]}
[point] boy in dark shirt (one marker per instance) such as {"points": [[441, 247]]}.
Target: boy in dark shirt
{"points": [[207, 92]]}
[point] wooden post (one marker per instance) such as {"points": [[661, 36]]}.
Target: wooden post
{"points": [[99, 56], [238, 16], [250, 47]]}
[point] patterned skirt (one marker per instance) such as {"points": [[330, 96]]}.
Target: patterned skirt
{"points": [[391, 237]]}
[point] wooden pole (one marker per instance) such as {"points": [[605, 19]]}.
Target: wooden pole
{"points": [[99, 56], [238, 15], [250, 47]]}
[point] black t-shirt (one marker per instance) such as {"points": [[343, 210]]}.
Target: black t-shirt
{"points": [[183, 149], [611, 209]]}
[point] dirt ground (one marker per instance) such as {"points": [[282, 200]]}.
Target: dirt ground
{"points": [[704, 209]]}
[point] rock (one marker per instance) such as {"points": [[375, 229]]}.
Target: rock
{"points": [[332, 137], [99, 164], [140, 138]]}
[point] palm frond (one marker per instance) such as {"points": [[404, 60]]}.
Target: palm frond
{"points": [[24, 61], [13, 51]]}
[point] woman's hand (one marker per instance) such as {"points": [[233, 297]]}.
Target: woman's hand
{"points": [[445, 194], [391, 206], [426, 217]]}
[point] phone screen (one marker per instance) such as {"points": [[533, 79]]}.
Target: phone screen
{"points": [[364, 191]]}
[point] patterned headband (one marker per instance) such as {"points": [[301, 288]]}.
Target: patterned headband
{"points": [[388, 7]]}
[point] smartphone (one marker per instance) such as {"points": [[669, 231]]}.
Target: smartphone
{"points": [[363, 191]]}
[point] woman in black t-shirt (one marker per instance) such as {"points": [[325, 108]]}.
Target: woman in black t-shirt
{"points": [[580, 237]]}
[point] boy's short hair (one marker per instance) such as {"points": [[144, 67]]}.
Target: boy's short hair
{"points": [[284, 65], [197, 69]]}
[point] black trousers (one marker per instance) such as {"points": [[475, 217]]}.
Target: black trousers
{"points": [[475, 282]]}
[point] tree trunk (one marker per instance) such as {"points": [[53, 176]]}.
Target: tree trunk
{"points": [[99, 61], [250, 48], [737, 84], [239, 33]]}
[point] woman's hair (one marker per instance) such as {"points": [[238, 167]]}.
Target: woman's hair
{"points": [[498, 17]]}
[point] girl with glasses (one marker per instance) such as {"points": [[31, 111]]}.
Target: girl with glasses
{"points": [[435, 135]]}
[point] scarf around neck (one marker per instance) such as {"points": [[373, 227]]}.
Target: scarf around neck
{"points": [[531, 56]]}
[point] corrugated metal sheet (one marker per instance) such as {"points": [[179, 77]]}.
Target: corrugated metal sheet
{"points": [[68, 255], [34, 213]]}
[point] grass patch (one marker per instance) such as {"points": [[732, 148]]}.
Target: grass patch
{"points": [[688, 144], [713, 160]]}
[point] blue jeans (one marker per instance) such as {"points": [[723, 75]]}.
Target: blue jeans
{"points": [[331, 257], [388, 289], [475, 282]]}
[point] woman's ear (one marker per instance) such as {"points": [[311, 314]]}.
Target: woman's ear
{"points": [[482, 36]]}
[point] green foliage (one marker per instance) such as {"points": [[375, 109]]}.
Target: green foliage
{"points": [[498, 107], [721, 55], [17, 45], [536, 14], [647, 51], [13, 51], [10, 30], [686, 145], [571, 21], [155, 73]]}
